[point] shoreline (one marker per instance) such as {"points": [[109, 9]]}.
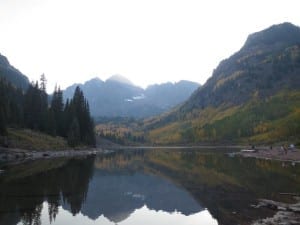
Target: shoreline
{"points": [[16, 156], [11, 155], [284, 213], [275, 154]]}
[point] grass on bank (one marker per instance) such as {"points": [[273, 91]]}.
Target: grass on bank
{"points": [[34, 140]]}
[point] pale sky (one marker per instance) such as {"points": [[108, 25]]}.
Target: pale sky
{"points": [[147, 41]]}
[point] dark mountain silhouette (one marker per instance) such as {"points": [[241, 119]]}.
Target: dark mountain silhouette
{"points": [[284, 34], [252, 96], [11, 74], [117, 96]]}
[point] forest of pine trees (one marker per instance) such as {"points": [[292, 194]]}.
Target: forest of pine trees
{"points": [[32, 109]]}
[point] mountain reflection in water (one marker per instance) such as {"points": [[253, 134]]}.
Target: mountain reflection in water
{"points": [[136, 186], [116, 196]]}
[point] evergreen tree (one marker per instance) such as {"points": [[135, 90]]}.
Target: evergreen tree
{"points": [[44, 104], [2, 110], [31, 110], [11, 105], [57, 112], [74, 133], [43, 82], [78, 109], [36, 108], [51, 124], [32, 107], [3, 130]]}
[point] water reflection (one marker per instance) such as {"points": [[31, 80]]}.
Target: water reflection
{"points": [[24, 188], [124, 193], [136, 186], [140, 216]]}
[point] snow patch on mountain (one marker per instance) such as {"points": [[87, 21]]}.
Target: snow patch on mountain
{"points": [[134, 98]]}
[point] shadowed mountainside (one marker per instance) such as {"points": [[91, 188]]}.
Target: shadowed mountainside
{"points": [[253, 96], [12, 75]]}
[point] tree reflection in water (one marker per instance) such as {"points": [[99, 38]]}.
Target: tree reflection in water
{"points": [[25, 187], [116, 185]]}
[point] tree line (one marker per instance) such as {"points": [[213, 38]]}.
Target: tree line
{"points": [[35, 110]]}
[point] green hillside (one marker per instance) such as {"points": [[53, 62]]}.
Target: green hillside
{"points": [[276, 119], [252, 97]]}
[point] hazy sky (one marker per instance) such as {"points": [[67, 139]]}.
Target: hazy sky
{"points": [[147, 41]]}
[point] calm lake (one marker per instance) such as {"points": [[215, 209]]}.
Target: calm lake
{"points": [[149, 187]]}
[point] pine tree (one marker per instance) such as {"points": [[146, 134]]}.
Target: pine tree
{"points": [[3, 105], [78, 108], [3, 130], [51, 124], [43, 124], [43, 82], [32, 107], [74, 133], [30, 110], [36, 108], [57, 112]]}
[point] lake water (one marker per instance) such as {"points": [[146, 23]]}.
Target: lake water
{"points": [[154, 186]]}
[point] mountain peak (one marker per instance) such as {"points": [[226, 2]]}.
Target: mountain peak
{"points": [[11, 74], [120, 79], [284, 33], [3, 60], [94, 80]]}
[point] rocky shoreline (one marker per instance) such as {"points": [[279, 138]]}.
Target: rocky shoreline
{"points": [[285, 214], [15, 154], [20, 155], [276, 153]]}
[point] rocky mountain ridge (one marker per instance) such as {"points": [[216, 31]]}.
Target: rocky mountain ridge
{"points": [[117, 96], [11, 74]]}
